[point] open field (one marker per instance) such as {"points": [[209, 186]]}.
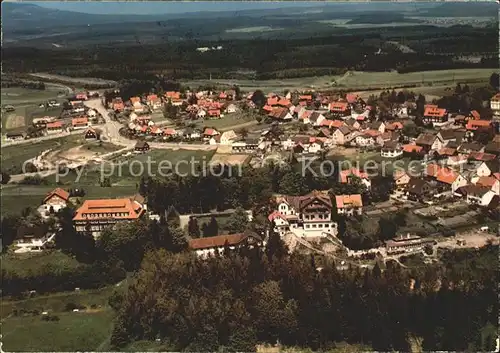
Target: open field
{"points": [[229, 120], [24, 264], [14, 122], [230, 159], [19, 95], [253, 29], [13, 157], [26, 102], [80, 331], [357, 80], [124, 179], [74, 80]]}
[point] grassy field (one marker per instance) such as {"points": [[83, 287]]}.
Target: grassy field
{"points": [[17, 197], [357, 80], [81, 331], [56, 302], [13, 157], [19, 95], [25, 264], [26, 102], [227, 121]]}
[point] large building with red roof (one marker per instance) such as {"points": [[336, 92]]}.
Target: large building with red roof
{"points": [[95, 215]]}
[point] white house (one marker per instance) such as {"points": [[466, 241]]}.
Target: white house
{"points": [[307, 216], [228, 137], [391, 149], [201, 114], [315, 146], [32, 239], [478, 195], [55, 200], [231, 108]]}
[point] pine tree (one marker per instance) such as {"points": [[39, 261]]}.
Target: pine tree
{"points": [[193, 228]]}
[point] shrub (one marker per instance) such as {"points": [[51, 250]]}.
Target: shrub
{"points": [[50, 318]]}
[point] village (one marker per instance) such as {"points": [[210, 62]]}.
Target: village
{"points": [[451, 159]]}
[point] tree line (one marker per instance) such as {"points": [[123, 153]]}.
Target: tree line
{"points": [[237, 300]]}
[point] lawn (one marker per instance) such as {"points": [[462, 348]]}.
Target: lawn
{"points": [[229, 120], [57, 302], [16, 198], [80, 331], [25, 264], [18, 95], [14, 156]]}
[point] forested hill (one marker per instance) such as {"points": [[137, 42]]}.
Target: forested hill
{"points": [[240, 300]]}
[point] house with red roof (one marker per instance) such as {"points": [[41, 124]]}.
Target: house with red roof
{"points": [[445, 177], [435, 115], [55, 127], [95, 215], [340, 109], [491, 182], [55, 200], [473, 125], [153, 101], [80, 122], [214, 113], [347, 176], [210, 132], [349, 204]]}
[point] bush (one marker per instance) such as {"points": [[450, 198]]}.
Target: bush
{"points": [[50, 318], [72, 306]]}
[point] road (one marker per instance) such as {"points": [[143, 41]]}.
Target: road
{"points": [[112, 130]]}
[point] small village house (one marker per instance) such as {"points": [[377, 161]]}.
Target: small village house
{"points": [[209, 133], [391, 149], [349, 204], [92, 134], [417, 189], [141, 147], [401, 179], [347, 176], [55, 200], [435, 115], [32, 238], [55, 127], [228, 137], [429, 142], [80, 122], [210, 246]]}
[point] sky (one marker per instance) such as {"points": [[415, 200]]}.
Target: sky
{"points": [[160, 7]]}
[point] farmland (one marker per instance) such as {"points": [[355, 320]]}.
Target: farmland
{"points": [[357, 80], [26, 103]]}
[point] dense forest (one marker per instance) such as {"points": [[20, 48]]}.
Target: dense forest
{"points": [[265, 58], [235, 301]]}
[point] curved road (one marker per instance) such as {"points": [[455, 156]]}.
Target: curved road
{"points": [[112, 130]]}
